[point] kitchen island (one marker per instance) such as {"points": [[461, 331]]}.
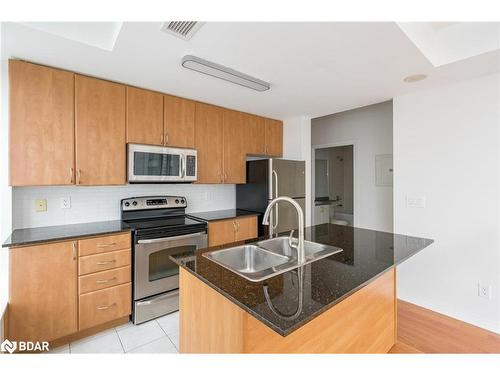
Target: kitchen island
{"points": [[345, 303]]}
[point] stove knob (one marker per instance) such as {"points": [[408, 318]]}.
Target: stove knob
{"points": [[134, 203], [177, 201], [183, 201], [127, 204]]}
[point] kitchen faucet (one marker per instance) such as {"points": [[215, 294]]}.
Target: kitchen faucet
{"points": [[300, 216]]}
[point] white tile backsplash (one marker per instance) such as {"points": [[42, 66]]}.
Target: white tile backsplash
{"points": [[103, 203]]}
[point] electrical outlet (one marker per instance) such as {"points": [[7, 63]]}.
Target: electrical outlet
{"points": [[484, 291], [40, 205], [66, 202]]}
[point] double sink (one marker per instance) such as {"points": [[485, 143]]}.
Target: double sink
{"points": [[268, 258]]}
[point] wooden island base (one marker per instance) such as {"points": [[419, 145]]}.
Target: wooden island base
{"points": [[365, 322]]}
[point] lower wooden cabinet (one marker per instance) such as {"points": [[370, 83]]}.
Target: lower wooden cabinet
{"points": [[104, 305], [55, 293], [43, 296], [226, 231]]}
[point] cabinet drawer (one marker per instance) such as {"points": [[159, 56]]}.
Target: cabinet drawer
{"points": [[103, 244], [104, 305], [102, 262], [104, 279]]}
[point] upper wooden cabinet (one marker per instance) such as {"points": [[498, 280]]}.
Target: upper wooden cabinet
{"points": [[178, 122], [100, 132], [255, 129], [41, 125], [208, 142], [234, 140], [144, 116], [274, 137], [43, 293]]}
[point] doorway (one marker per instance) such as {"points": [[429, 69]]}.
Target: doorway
{"points": [[334, 185]]}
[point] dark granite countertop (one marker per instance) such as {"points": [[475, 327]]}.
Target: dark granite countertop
{"points": [[221, 214], [33, 236], [366, 255]]}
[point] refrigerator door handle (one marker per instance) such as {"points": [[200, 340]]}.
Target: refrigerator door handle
{"points": [[275, 224]]}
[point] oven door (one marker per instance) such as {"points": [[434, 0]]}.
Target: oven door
{"points": [[154, 272], [155, 163]]}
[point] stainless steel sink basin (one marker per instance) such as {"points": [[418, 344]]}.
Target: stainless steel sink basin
{"points": [[249, 261], [268, 258], [312, 250]]}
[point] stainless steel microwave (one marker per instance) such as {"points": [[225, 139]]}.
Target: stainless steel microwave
{"points": [[147, 164]]}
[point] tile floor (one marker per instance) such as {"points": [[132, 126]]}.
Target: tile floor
{"points": [[157, 336]]}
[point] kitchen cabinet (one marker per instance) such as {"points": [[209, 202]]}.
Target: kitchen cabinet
{"points": [[208, 142], [144, 116], [41, 125], [59, 289], [227, 231], [234, 140], [255, 129], [100, 132], [43, 293], [179, 118], [274, 137]]}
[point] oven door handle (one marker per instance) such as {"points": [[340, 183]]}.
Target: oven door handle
{"points": [[165, 239]]}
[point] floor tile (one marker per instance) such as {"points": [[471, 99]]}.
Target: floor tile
{"points": [[162, 345], [138, 335], [107, 343], [169, 323], [174, 337], [124, 326], [62, 349]]}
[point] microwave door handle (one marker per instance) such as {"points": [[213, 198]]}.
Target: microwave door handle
{"points": [[182, 165], [163, 239]]}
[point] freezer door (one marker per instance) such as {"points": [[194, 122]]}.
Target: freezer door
{"points": [[284, 216], [287, 178]]}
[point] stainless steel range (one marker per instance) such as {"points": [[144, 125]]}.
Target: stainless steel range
{"points": [[160, 228]]}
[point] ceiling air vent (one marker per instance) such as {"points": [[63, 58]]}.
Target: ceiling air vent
{"points": [[181, 29]]}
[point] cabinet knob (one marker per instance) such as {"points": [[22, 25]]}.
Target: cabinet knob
{"points": [[71, 174]]}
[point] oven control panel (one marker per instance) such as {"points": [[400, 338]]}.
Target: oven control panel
{"points": [[154, 202]]}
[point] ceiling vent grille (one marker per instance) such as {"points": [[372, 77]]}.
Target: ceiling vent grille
{"points": [[181, 29]]}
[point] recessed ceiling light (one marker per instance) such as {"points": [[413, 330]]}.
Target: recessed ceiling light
{"points": [[225, 73], [415, 78]]}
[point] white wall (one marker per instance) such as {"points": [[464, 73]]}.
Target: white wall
{"points": [[297, 146], [446, 143], [103, 203], [370, 130], [5, 190]]}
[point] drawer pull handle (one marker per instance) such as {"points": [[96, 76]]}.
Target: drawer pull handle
{"points": [[104, 262], [105, 281], [105, 307], [106, 244]]}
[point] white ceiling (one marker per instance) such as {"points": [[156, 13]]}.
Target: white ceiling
{"points": [[314, 69]]}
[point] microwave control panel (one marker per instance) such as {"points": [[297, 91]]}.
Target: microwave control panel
{"points": [[191, 165]]}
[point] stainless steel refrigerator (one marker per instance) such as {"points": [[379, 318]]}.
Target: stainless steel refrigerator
{"points": [[268, 179]]}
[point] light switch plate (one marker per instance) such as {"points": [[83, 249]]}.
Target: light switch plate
{"points": [[66, 202], [415, 202], [40, 205]]}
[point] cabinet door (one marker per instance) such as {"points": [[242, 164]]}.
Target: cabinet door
{"points": [[41, 125], [208, 141], [246, 228], [255, 129], [221, 232], [144, 116], [43, 292], [100, 132], [274, 137], [179, 122], [234, 153]]}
